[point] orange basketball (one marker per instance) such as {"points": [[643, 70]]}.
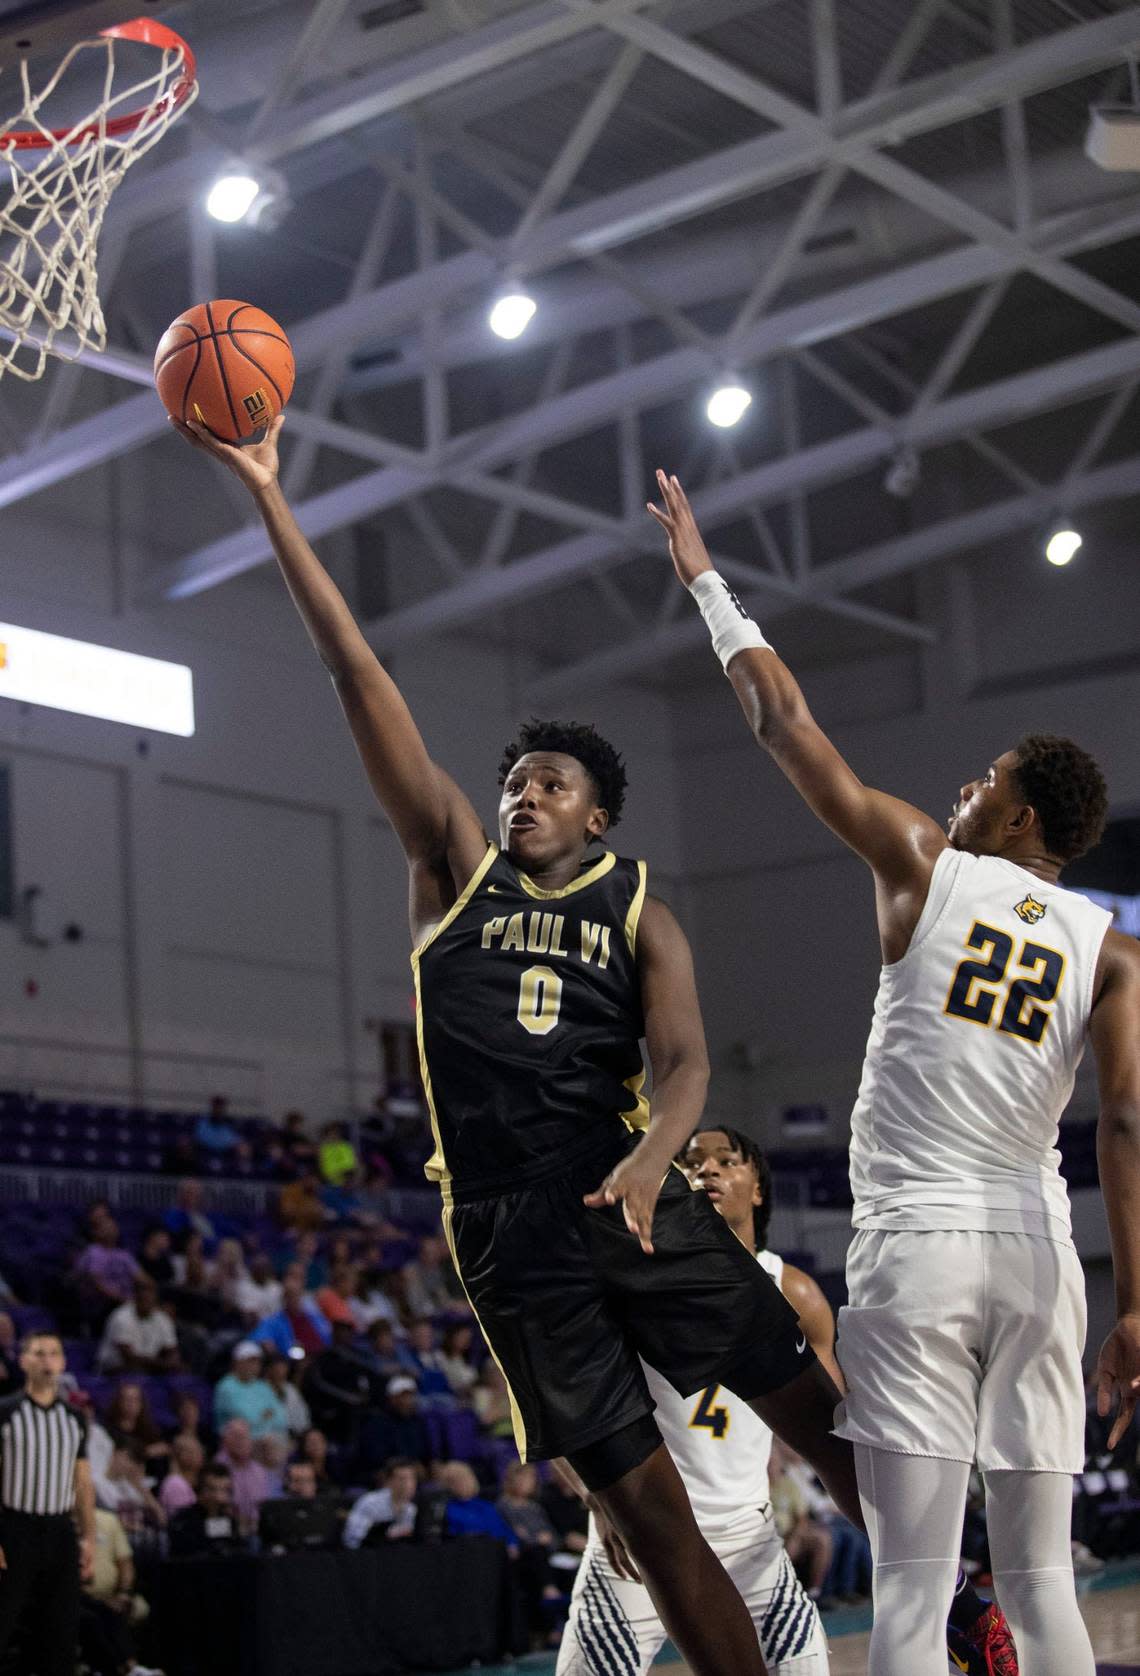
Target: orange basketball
{"points": [[228, 365]]}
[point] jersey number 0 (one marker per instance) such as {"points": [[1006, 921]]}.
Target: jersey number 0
{"points": [[540, 1000], [977, 985]]}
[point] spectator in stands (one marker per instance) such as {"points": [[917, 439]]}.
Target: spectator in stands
{"points": [[250, 1480], [105, 1274], [139, 1336], [259, 1294], [300, 1207], [188, 1213], [229, 1274], [567, 1514], [154, 1255], [210, 1526], [314, 1448], [11, 1374], [188, 1415], [298, 1324], [523, 1511], [193, 1270], [370, 1302], [431, 1285], [282, 1373], [491, 1400], [468, 1512], [392, 1505], [179, 1488], [383, 1356], [808, 1543], [298, 1151], [339, 1386], [397, 1428], [334, 1299], [245, 1395], [111, 1609], [453, 1358], [214, 1134], [130, 1421], [336, 1156], [433, 1382], [126, 1492]]}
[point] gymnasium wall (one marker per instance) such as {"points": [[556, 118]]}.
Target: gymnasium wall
{"points": [[242, 901]]}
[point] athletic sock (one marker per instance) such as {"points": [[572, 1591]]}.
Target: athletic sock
{"points": [[967, 1606]]}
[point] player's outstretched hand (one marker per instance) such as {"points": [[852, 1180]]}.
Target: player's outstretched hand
{"points": [[636, 1184], [1118, 1375], [616, 1551], [686, 544], [255, 465]]}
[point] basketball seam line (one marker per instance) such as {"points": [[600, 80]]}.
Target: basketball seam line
{"points": [[265, 374], [193, 374], [204, 337], [222, 372]]}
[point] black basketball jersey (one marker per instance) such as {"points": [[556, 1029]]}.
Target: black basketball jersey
{"points": [[529, 1018]]}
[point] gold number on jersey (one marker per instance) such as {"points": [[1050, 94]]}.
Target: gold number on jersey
{"points": [[976, 989], [540, 1000], [712, 1419]]}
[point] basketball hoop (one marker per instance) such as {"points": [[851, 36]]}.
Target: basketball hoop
{"points": [[60, 182]]}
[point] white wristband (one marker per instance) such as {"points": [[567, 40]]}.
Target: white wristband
{"points": [[732, 629]]}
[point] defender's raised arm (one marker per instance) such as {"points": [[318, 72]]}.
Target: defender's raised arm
{"points": [[897, 841], [437, 826]]}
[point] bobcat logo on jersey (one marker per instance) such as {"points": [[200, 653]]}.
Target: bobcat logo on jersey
{"points": [[1030, 910]]}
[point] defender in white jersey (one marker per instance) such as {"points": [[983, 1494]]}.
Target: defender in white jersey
{"points": [[722, 1450], [964, 1334]]}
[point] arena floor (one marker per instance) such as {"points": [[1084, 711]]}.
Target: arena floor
{"points": [[1113, 1617]]}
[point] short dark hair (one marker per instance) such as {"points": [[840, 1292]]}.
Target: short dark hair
{"points": [[34, 1333], [585, 744], [216, 1469], [394, 1463], [751, 1154], [1067, 791]]}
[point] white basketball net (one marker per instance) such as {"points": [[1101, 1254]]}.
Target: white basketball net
{"points": [[57, 196]]}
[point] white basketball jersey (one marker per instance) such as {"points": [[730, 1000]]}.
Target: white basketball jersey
{"points": [[977, 1035], [720, 1446]]}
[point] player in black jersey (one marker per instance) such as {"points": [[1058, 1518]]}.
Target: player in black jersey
{"points": [[539, 969]]}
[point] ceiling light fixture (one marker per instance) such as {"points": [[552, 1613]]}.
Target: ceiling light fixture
{"points": [[728, 404], [512, 313], [1064, 541]]}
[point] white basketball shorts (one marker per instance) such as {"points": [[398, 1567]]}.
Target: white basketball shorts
{"points": [[614, 1630], [966, 1347]]}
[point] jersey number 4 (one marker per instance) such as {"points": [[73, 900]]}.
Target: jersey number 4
{"points": [[978, 984], [714, 1419]]}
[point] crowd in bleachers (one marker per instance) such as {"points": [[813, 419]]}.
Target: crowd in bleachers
{"points": [[310, 1374]]}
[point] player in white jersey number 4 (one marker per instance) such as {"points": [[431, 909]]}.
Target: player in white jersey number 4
{"points": [[962, 1342], [722, 1450]]}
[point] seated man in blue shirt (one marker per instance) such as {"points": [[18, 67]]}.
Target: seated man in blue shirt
{"points": [[469, 1513]]}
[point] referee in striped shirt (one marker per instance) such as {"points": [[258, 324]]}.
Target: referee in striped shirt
{"points": [[45, 1480]]}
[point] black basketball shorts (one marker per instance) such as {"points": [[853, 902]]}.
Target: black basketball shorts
{"points": [[568, 1302]]}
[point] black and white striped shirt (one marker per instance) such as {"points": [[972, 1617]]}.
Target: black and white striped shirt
{"points": [[39, 1447]]}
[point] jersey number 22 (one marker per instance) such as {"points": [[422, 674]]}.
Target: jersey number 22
{"points": [[977, 987]]}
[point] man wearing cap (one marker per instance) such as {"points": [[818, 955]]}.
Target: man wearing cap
{"points": [[397, 1428], [244, 1395]]}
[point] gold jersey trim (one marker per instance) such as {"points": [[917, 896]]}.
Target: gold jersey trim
{"points": [[633, 917], [459, 904], [598, 871], [518, 1425]]}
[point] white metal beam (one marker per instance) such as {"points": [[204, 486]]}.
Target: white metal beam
{"points": [[587, 406], [941, 540]]}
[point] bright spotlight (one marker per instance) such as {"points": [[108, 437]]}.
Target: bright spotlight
{"points": [[728, 405], [232, 197], [512, 314], [1062, 545]]}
